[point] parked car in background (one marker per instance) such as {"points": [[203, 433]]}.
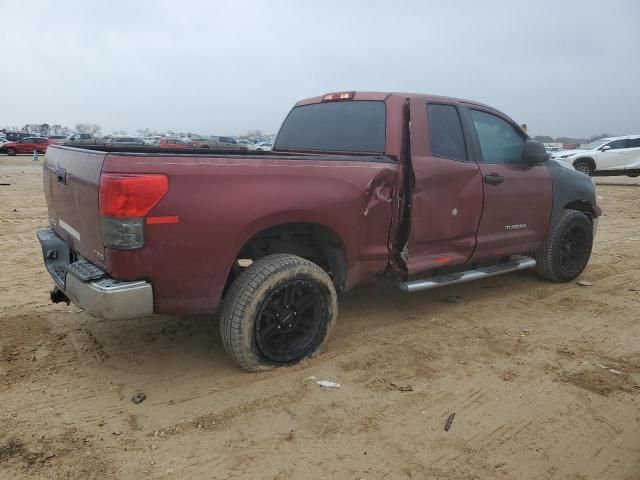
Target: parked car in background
{"points": [[263, 147], [173, 143], [57, 137], [606, 156], [125, 142], [28, 145], [15, 136], [82, 139], [220, 143], [152, 140]]}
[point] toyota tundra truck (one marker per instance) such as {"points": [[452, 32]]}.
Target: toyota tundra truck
{"points": [[428, 191]]}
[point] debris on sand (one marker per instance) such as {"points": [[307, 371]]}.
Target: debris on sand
{"points": [[138, 398], [584, 283], [453, 299], [450, 418], [401, 388], [324, 383]]}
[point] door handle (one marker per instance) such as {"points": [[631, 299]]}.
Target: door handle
{"points": [[493, 179]]}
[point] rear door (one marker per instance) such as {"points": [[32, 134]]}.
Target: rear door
{"points": [[517, 196], [614, 156], [41, 144], [447, 192], [633, 159], [71, 180]]}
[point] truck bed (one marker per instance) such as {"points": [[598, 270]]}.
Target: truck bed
{"points": [[218, 200]]}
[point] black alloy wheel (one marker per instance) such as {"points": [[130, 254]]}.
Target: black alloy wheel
{"points": [[573, 248], [288, 321]]}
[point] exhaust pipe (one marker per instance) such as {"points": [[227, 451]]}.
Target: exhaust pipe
{"points": [[58, 296]]}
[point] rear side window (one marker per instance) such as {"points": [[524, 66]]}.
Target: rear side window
{"points": [[348, 126], [633, 143], [445, 132], [499, 140]]}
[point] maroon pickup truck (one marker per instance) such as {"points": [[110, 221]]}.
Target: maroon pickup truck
{"points": [[430, 191]]}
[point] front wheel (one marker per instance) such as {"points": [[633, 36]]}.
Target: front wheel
{"points": [[583, 167], [566, 251], [278, 311], [11, 152]]}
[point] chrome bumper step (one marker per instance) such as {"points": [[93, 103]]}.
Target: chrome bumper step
{"points": [[467, 276]]}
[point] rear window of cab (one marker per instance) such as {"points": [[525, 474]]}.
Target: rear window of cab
{"points": [[342, 126]]}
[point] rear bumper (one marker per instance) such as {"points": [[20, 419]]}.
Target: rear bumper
{"points": [[90, 288]]}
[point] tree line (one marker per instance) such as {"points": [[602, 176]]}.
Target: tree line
{"points": [[44, 129]]}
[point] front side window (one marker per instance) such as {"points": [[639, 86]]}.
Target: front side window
{"points": [[499, 140], [445, 132], [616, 144]]}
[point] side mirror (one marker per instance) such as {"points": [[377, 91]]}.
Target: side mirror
{"points": [[605, 148], [534, 152]]}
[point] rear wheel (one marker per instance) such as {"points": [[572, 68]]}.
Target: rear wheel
{"points": [[11, 151], [567, 249], [583, 166], [278, 311], [633, 175]]}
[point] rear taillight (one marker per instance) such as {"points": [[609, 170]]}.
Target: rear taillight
{"points": [[124, 202]]}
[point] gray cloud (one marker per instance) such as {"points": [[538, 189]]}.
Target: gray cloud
{"points": [[565, 68]]}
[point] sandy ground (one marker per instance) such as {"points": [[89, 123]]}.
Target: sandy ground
{"points": [[544, 379]]}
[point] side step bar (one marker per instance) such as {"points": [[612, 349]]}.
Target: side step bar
{"points": [[467, 276]]}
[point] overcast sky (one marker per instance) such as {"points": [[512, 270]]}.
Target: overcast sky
{"points": [[222, 67]]}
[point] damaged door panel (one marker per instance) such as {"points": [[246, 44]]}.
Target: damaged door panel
{"points": [[375, 218], [447, 200]]}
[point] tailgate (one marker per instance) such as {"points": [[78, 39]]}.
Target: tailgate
{"points": [[71, 178]]}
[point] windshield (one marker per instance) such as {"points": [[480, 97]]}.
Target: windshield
{"points": [[352, 126], [595, 144]]}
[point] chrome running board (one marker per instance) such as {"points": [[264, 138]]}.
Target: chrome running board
{"points": [[467, 276]]}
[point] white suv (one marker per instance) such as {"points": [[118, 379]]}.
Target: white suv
{"points": [[607, 156]]}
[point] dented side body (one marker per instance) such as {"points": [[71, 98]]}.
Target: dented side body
{"points": [[221, 203]]}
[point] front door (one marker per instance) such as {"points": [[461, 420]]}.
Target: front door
{"points": [[25, 146], [447, 191], [517, 197]]}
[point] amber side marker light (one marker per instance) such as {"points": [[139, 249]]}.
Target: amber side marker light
{"points": [[336, 96]]}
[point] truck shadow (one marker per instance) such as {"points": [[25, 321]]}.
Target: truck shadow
{"points": [[163, 348]]}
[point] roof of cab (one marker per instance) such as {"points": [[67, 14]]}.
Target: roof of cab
{"points": [[383, 96]]}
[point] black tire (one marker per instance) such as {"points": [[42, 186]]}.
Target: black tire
{"points": [[278, 311], [11, 151], [584, 166], [633, 175], [566, 251]]}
